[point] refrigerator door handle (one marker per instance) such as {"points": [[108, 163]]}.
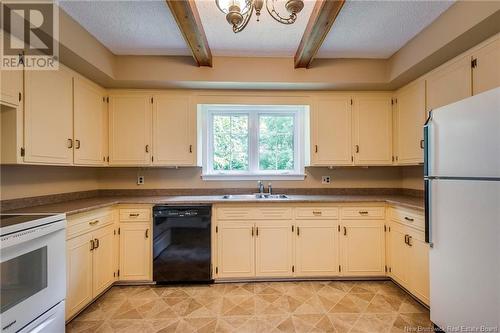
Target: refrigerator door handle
{"points": [[426, 143], [427, 202]]}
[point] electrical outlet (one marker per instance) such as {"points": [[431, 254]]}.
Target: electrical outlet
{"points": [[140, 180], [325, 180]]}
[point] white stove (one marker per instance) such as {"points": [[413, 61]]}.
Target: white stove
{"points": [[33, 272]]}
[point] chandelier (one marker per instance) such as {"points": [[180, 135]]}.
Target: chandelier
{"points": [[239, 12]]}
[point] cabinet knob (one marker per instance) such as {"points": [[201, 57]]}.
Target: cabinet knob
{"points": [[409, 219], [133, 214], [94, 222]]}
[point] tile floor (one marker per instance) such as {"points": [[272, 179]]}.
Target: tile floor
{"points": [[334, 306]]}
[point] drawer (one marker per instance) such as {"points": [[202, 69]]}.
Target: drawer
{"points": [[254, 213], [407, 217], [359, 213], [331, 213], [273, 213], [235, 213], [89, 221], [135, 215]]}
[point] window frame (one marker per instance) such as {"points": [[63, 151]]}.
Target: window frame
{"points": [[254, 112]]}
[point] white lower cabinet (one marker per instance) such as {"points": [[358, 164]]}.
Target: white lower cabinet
{"points": [[135, 251], [316, 248], [273, 248], [236, 249], [363, 248], [409, 254]]}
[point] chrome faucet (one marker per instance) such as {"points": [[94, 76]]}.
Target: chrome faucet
{"points": [[261, 187], [270, 188]]}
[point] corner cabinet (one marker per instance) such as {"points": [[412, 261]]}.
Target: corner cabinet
{"points": [[331, 123], [48, 116], [174, 130], [409, 107], [130, 118], [89, 126], [372, 129]]}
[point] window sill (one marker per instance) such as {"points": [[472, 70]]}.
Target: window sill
{"points": [[253, 177]]}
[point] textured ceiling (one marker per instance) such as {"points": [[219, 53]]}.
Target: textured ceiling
{"points": [[377, 29], [130, 27], [266, 38]]}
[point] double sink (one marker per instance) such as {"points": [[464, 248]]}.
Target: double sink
{"points": [[257, 196]]}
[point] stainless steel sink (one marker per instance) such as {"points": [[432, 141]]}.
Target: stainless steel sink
{"points": [[257, 196]]}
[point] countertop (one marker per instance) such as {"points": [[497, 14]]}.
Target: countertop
{"points": [[83, 205]]}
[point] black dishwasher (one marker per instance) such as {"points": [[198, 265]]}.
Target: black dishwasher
{"points": [[182, 244]]}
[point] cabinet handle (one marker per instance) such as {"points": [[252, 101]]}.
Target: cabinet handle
{"points": [[147, 233], [147, 148], [298, 231], [133, 214], [94, 222], [406, 239], [77, 144], [190, 148], [345, 231], [96, 243], [252, 232], [257, 231], [92, 245], [70, 143], [422, 144], [317, 213], [315, 148], [293, 228], [357, 148], [409, 241], [409, 219], [363, 212]]}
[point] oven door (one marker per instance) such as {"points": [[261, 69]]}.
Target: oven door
{"points": [[33, 274]]}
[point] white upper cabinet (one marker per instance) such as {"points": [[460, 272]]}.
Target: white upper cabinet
{"points": [[130, 129], [449, 83], [372, 129], [331, 130], [11, 87], [410, 118], [89, 108], [48, 122], [174, 130], [486, 67]]}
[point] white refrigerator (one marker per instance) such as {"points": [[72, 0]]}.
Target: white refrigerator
{"points": [[462, 197]]}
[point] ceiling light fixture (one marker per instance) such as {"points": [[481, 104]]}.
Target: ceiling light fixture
{"points": [[239, 12]]}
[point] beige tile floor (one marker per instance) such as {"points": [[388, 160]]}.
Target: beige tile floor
{"points": [[334, 306]]}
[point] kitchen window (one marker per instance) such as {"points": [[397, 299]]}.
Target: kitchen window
{"points": [[251, 142]]}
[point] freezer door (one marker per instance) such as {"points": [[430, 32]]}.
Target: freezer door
{"points": [[465, 254], [464, 138]]}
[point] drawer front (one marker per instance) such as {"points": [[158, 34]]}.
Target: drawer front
{"points": [[135, 215], [273, 213], [87, 222], [235, 213], [357, 213], [407, 217], [330, 213], [254, 213]]}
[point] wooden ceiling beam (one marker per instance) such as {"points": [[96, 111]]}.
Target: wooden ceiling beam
{"points": [[321, 20], [187, 18]]}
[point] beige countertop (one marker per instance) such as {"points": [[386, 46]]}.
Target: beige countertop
{"points": [[83, 205]]}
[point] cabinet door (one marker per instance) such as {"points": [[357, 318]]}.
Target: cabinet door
{"points": [[78, 273], [399, 253], [135, 251], [49, 116], [331, 131], [88, 127], [372, 130], [103, 261], [486, 72], [130, 130], [174, 133], [410, 104], [418, 261], [236, 249], [316, 248], [11, 87], [449, 83], [273, 248], [363, 248]]}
